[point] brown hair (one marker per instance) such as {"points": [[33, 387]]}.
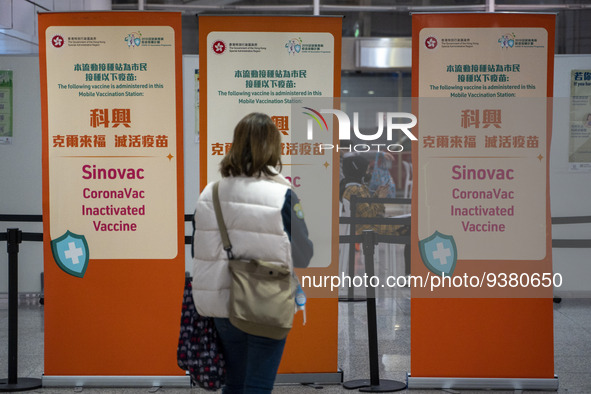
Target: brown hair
{"points": [[256, 146]]}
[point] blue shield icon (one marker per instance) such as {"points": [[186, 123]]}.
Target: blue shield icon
{"points": [[439, 253], [70, 252]]}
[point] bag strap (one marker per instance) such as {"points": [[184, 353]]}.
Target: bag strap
{"points": [[220, 219]]}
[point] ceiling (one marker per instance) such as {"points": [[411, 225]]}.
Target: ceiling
{"points": [[369, 18]]}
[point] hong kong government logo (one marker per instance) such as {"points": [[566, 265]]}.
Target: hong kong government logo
{"points": [[431, 42], [219, 47], [57, 41]]}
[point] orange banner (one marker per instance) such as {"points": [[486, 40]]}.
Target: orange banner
{"points": [[254, 63], [481, 207], [113, 200]]}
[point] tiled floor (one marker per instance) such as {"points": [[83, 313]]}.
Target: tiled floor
{"points": [[572, 333]]}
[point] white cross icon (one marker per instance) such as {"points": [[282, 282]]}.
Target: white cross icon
{"points": [[441, 253], [73, 253]]}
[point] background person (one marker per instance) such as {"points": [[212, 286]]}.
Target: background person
{"points": [[355, 171], [264, 221], [380, 175], [354, 184]]}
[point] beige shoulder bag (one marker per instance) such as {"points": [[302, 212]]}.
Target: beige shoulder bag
{"points": [[262, 296]]}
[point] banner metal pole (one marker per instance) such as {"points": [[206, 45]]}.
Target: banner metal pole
{"points": [[13, 383]]}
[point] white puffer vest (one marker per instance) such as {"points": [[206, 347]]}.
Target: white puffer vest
{"points": [[252, 213]]}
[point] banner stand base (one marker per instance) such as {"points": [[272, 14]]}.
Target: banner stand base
{"points": [[176, 381], [310, 378], [483, 383], [116, 381]]}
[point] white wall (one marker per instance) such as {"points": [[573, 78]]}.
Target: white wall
{"points": [[570, 192], [20, 164], [20, 170]]}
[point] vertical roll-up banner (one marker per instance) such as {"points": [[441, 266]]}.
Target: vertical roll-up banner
{"points": [[482, 314], [113, 210], [270, 64]]}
